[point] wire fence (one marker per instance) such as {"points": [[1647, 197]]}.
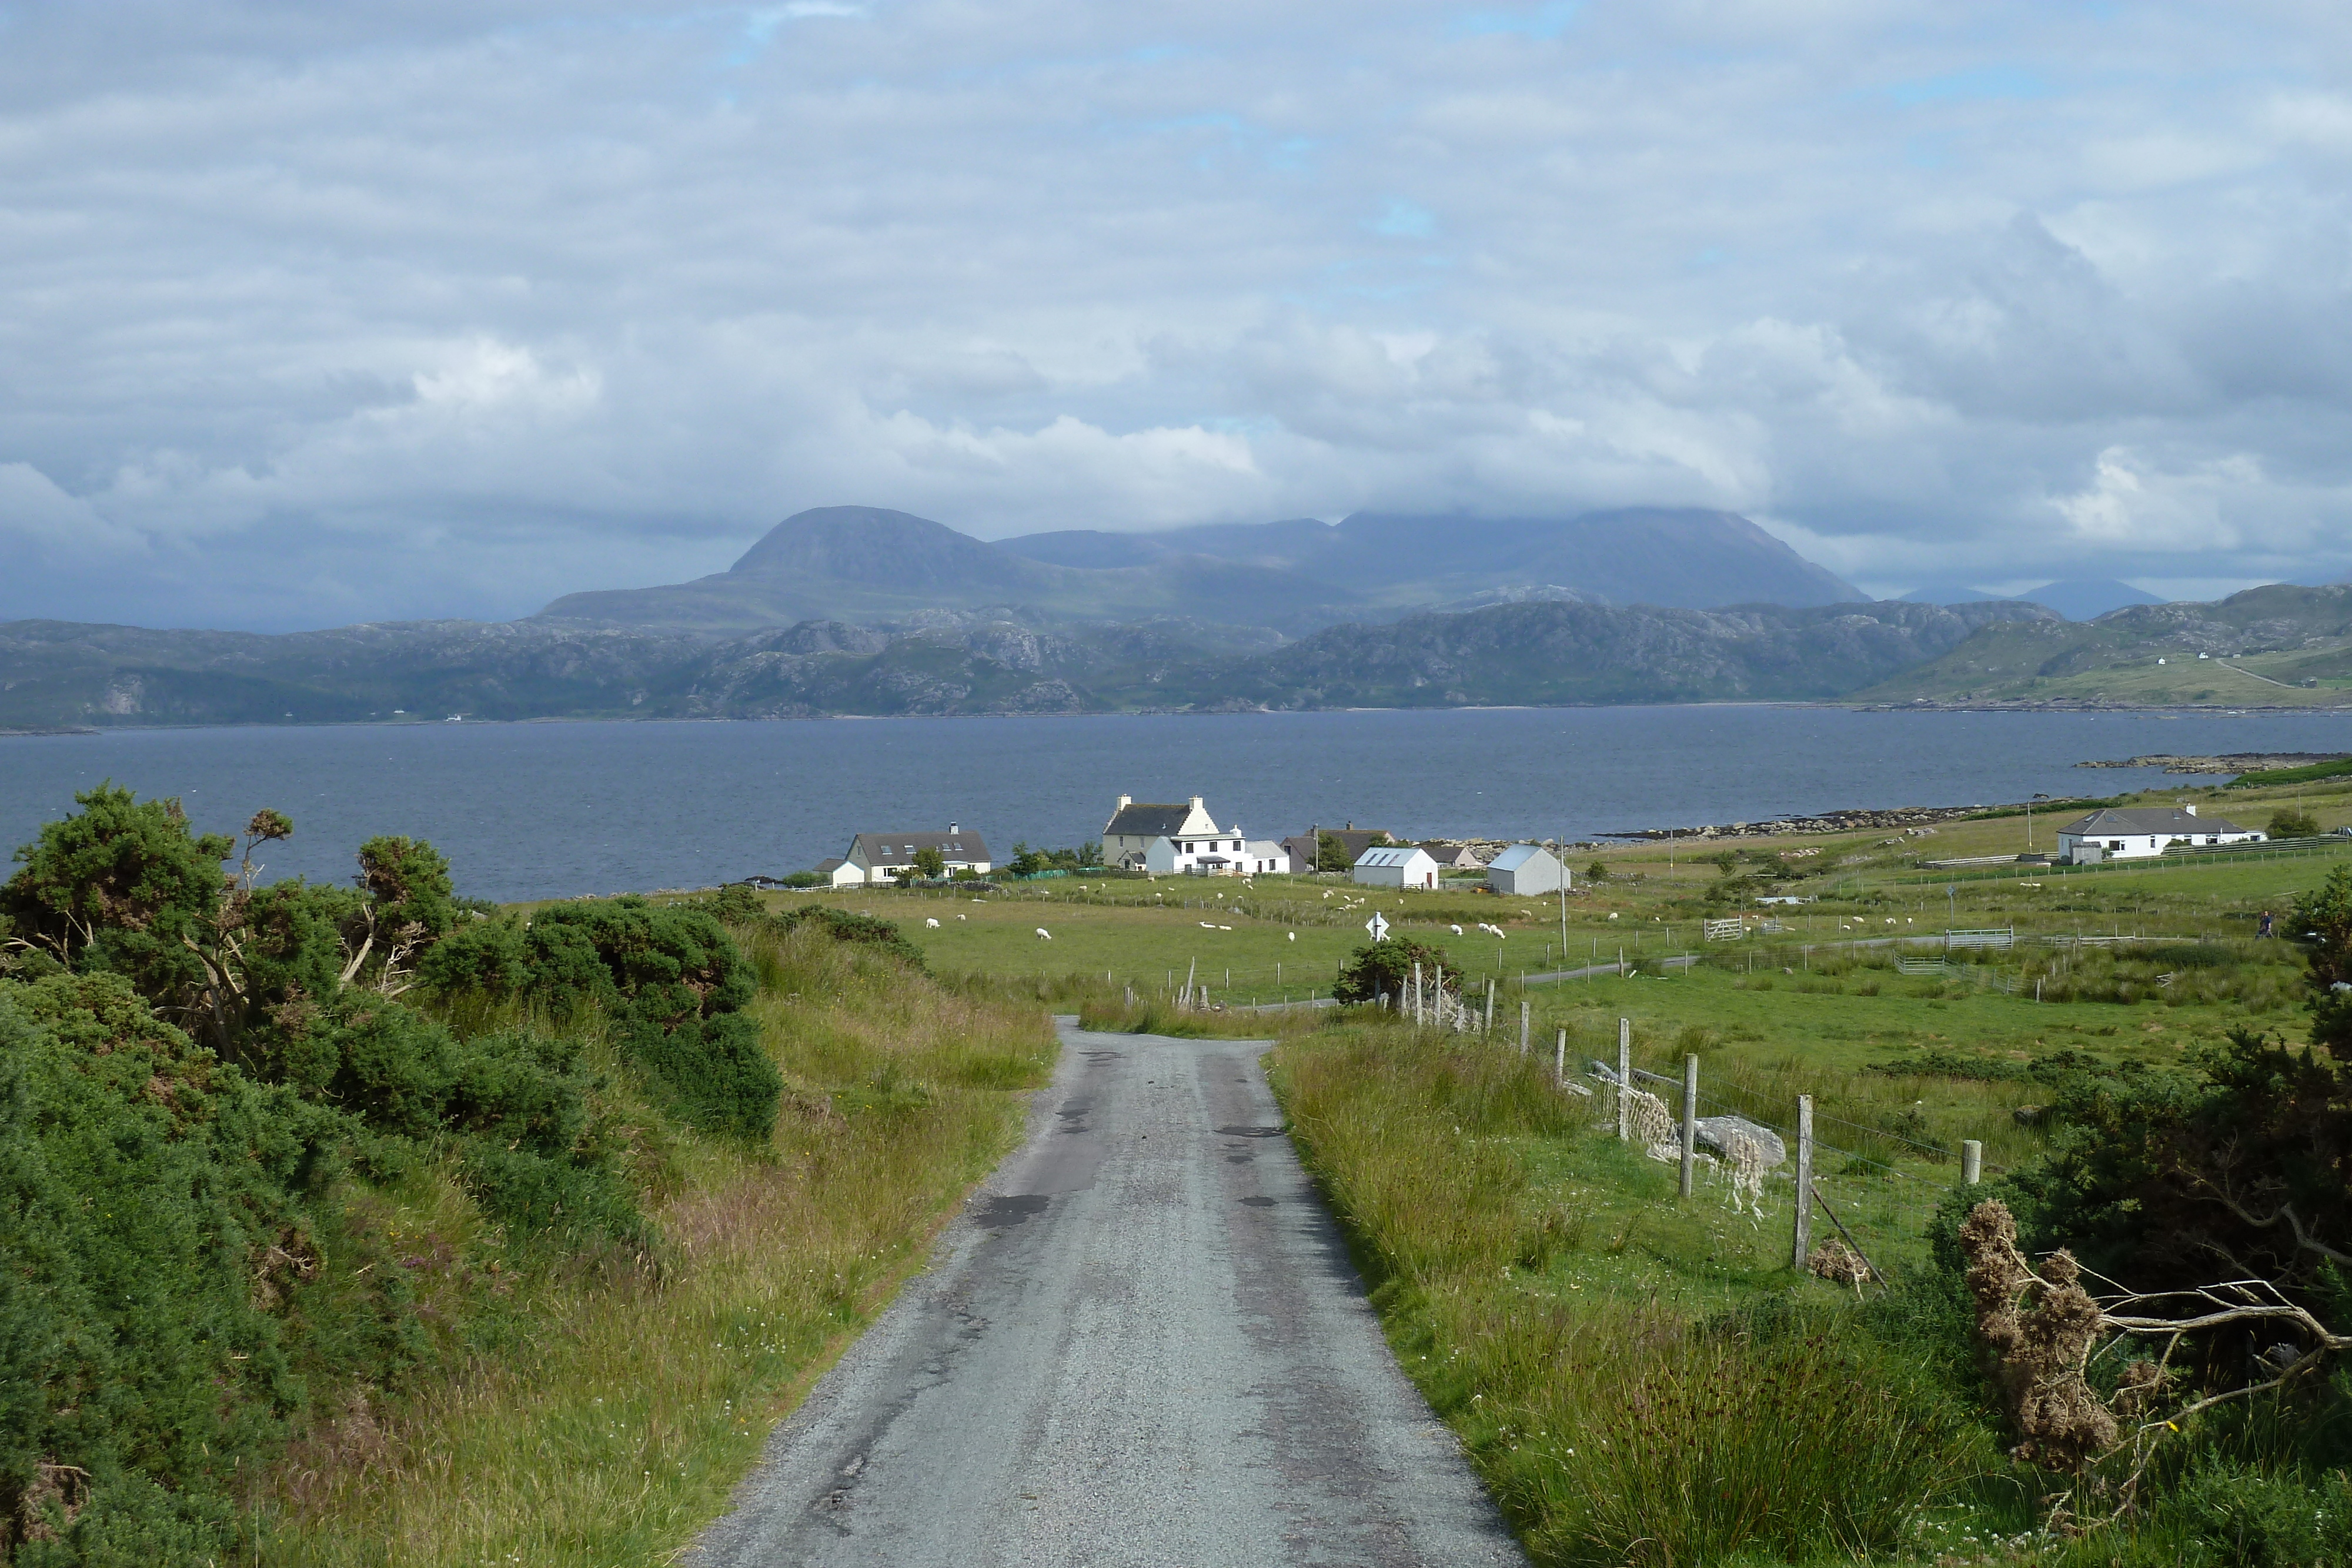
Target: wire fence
{"points": [[1879, 1213]]}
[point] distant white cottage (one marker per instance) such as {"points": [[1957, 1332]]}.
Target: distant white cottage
{"points": [[875, 858], [1526, 869], [2107, 835], [1184, 840], [1396, 865]]}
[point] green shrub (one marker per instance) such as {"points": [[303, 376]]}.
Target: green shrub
{"points": [[156, 1222], [677, 983], [1385, 968]]}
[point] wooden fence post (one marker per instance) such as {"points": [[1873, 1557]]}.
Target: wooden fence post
{"points": [[1690, 1121], [1559, 1063], [1624, 1077], [1416, 993], [1803, 1246], [1523, 1029], [1972, 1161], [1489, 1026]]}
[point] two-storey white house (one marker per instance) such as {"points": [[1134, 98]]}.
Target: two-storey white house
{"points": [[2111, 834], [881, 857], [1167, 840]]}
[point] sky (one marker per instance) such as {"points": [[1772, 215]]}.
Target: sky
{"points": [[312, 315]]}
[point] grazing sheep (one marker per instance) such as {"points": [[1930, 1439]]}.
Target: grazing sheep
{"points": [[1294, 937], [1043, 934], [1455, 929], [963, 918], [1208, 925], [933, 921]]}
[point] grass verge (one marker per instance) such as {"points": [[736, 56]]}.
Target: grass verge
{"points": [[627, 1401]]}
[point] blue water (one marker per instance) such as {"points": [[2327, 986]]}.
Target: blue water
{"points": [[532, 811]]}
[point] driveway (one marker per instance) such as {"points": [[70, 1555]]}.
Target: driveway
{"points": [[1143, 1344]]}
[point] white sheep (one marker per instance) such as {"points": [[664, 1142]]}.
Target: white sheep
{"points": [[1043, 934], [1208, 925], [931, 921], [1294, 935], [1455, 929], [1224, 929], [963, 918]]}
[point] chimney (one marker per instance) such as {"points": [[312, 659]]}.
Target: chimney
{"points": [[2190, 809], [1196, 803], [954, 829], [1125, 801]]}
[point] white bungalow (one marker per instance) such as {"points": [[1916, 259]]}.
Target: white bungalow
{"points": [[1396, 865], [876, 858], [1526, 869], [2107, 835], [1266, 857]]}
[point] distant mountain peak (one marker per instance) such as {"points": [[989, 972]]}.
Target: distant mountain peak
{"points": [[872, 564]]}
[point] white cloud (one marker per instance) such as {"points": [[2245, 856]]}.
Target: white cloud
{"points": [[445, 309]]}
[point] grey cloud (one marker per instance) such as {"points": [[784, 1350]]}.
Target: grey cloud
{"points": [[310, 314]]}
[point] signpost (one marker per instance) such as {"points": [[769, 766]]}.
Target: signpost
{"points": [[1377, 926]]}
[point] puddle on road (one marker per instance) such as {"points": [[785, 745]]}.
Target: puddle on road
{"points": [[1003, 1213]]}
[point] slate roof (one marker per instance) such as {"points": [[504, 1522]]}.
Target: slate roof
{"points": [[2157, 819], [1391, 855], [1146, 821], [898, 849]]}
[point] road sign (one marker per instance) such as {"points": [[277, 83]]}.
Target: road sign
{"points": [[1377, 926]]}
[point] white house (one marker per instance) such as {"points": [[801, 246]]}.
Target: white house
{"points": [[1264, 857], [1173, 841], [1526, 868], [2107, 835], [880, 857], [1396, 865]]}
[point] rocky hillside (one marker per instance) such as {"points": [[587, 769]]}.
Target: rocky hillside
{"points": [[54, 674]]}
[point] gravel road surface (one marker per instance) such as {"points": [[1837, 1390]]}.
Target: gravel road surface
{"points": [[1143, 1343]]}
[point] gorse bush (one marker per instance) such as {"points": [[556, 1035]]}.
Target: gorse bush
{"points": [[200, 1078], [156, 1206], [669, 979]]}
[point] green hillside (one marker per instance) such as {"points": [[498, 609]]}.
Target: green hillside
{"points": [[2278, 646]]}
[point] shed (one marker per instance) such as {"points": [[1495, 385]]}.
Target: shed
{"points": [[1526, 869], [1396, 865]]}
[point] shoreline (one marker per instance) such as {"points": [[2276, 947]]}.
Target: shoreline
{"points": [[1918, 705]]}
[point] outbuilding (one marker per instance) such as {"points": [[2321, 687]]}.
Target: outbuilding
{"points": [[1396, 865], [1526, 869]]}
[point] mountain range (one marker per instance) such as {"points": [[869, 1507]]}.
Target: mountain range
{"points": [[862, 610], [867, 564]]}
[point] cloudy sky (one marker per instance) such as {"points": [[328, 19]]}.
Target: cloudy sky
{"points": [[314, 314]]}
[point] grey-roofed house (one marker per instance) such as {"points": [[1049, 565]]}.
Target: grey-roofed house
{"points": [[1189, 837], [1526, 869], [879, 857], [1353, 842], [2112, 833]]}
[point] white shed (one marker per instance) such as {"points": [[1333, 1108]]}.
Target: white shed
{"points": [[1526, 868], [1396, 865]]}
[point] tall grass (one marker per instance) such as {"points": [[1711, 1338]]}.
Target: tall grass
{"points": [[1614, 1430], [616, 1421]]}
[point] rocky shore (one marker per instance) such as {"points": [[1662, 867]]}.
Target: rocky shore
{"points": [[2234, 762]]}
